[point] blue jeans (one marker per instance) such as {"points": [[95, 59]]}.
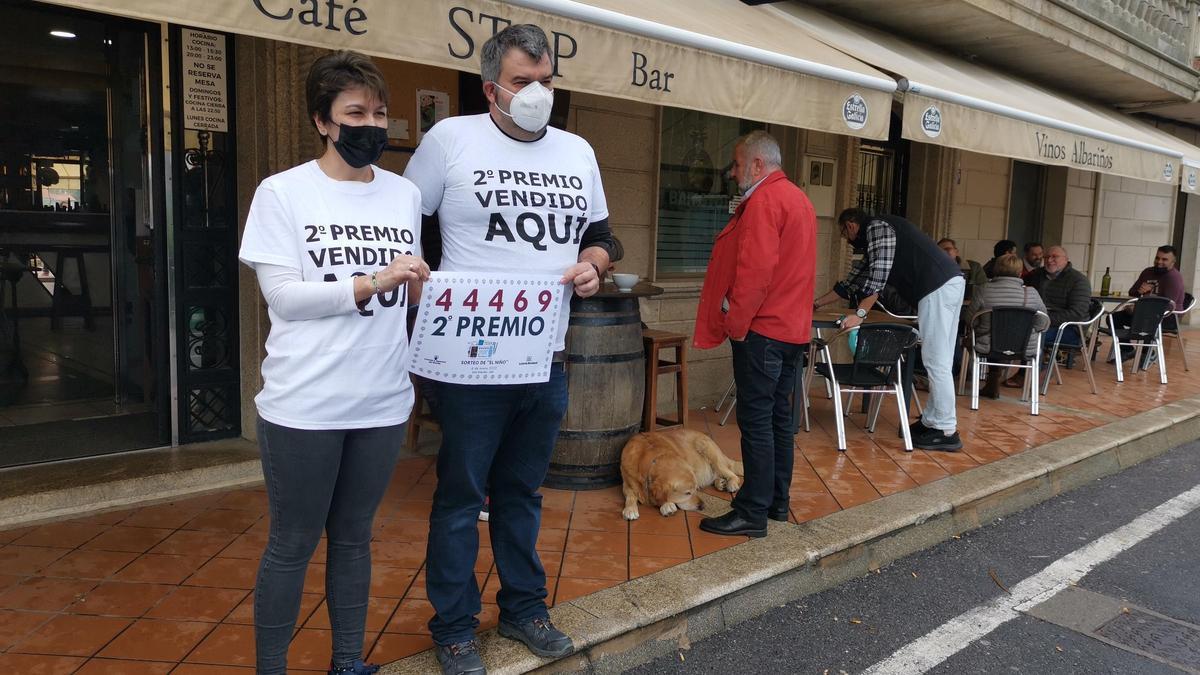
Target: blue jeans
{"points": [[319, 480], [1070, 338], [496, 442], [764, 371]]}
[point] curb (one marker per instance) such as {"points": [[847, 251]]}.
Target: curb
{"points": [[642, 619]]}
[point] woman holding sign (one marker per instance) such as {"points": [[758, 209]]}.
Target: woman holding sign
{"points": [[334, 244]]}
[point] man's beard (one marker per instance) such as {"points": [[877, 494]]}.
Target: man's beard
{"points": [[744, 184]]}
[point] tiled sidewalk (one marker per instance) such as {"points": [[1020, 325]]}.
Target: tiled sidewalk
{"points": [[167, 588]]}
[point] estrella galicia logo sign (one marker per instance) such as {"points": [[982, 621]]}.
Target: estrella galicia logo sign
{"points": [[854, 111], [1191, 179], [1168, 171], [931, 121]]}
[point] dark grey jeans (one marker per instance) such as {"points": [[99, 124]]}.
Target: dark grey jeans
{"points": [[331, 481]]}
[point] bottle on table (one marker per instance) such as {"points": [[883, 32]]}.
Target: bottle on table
{"points": [[1105, 282]]}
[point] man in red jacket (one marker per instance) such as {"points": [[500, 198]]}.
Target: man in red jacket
{"points": [[758, 293]]}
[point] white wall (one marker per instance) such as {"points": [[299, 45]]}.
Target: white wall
{"points": [[979, 207], [1135, 219]]}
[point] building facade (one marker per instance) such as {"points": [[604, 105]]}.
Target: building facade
{"points": [[136, 231]]}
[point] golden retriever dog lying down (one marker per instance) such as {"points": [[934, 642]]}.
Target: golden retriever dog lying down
{"points": [[667, 469]]}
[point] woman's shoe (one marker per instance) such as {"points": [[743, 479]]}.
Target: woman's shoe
{"points": [[356, 668]]}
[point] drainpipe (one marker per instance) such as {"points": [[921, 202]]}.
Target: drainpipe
{"points": [[1097, 202]]}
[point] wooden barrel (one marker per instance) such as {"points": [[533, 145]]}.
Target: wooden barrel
{"points": [[606, 384]]}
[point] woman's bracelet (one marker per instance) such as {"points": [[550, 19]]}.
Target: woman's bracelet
{"points": [[375, 281]]}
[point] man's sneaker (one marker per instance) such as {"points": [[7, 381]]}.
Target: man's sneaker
{"points": [[540, 636], [935, 439], [485, 512], [460, 658], [918, 428], [356, 668]]}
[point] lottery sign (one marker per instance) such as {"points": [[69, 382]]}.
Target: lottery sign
{"points": [[475, 328]]}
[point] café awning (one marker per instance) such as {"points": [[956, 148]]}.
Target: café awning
{"points": [[953, 102], [1189, 179], [718, 56]]}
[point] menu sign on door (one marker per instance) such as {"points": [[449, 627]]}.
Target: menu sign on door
{"points": [[205, 82]]}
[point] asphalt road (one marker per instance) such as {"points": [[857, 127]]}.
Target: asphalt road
{"points": [[922, 613]]}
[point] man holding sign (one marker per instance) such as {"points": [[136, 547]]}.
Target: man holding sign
{"points": [[513, 196]]}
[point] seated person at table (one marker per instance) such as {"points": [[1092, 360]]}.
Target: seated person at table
{"points": [[1033, 258], [1161, 279], [1005, 289], [972, 270], [1067, 294], [1002, 247]]}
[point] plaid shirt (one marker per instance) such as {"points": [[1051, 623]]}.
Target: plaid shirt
{"points": [[869, 275]]}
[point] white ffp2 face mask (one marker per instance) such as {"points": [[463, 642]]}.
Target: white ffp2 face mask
{"points": [[530, 108]]}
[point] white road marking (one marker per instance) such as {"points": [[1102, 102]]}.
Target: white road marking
{"points": [[948, 639]]}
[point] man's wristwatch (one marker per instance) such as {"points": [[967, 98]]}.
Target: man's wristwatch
{"points": [[860, 313]]}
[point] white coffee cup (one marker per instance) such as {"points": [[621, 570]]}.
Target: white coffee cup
{"points": [[625, 282]]}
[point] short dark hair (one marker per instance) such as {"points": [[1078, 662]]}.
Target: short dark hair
{"points": [[1167, 248], [524, 36], [1029, 246], [1003, 246], [947, 239], [336, 72], [854, 215]]}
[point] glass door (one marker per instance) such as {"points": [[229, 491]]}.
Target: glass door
{"points": [[81, 320]]}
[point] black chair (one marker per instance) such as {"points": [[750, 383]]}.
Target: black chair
{"points": [[874, 370], [1172, 329], [906, 317], [1009, 335], [1087, 343], [1145, 330]]}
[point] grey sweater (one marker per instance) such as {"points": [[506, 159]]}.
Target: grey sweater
{"points": [[1004, 292]]}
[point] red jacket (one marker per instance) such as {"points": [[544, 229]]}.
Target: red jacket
{"points": [[764, 263]]}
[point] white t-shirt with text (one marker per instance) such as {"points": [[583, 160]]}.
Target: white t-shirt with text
{"points": [[506, 205], [345, 370]]}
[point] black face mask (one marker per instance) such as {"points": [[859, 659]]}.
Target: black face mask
{"points": [[362, 145]]}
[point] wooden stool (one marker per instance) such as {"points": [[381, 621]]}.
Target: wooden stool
{"points": [[653, 341], [418, 418]]}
